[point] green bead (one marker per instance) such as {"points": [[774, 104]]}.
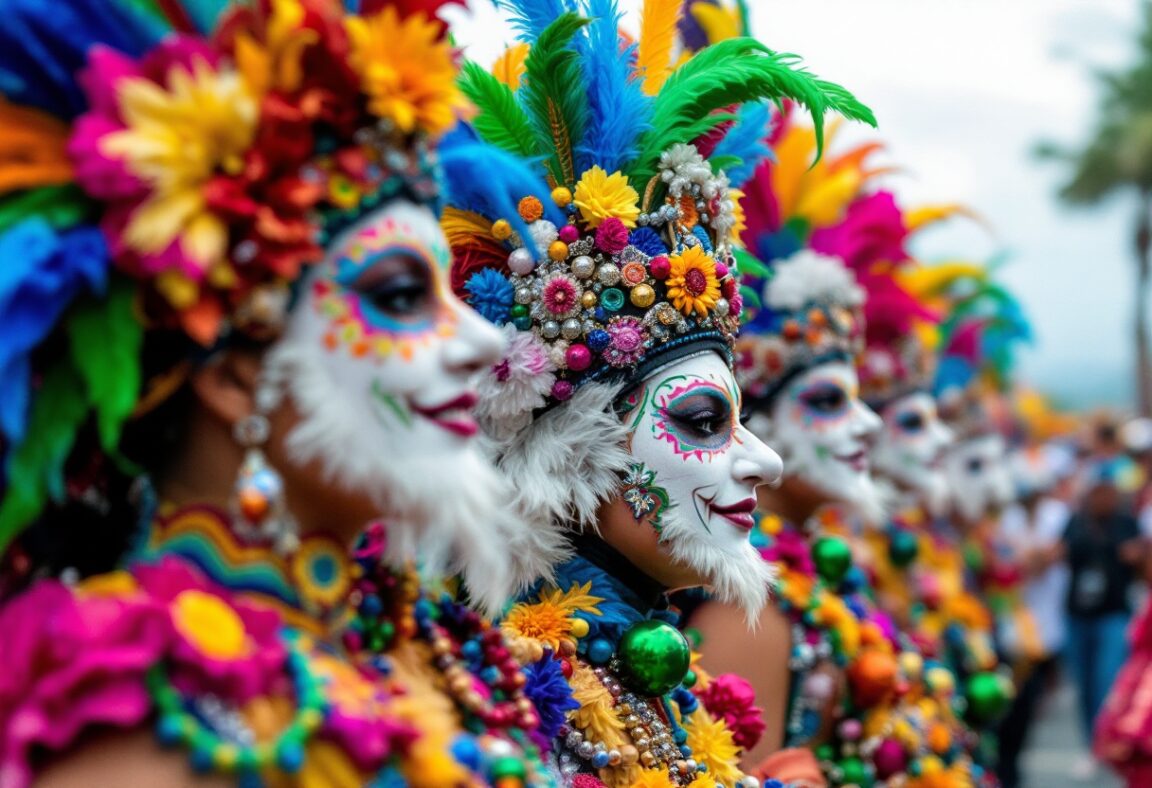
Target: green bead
{"points": [[852, 772], [988, 695], [833, 558], [654, 656], [508, 766], [824, 752], [903, 548], [689, 679], [387, 631], [519, 310]]}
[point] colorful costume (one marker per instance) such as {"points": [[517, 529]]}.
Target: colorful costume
{"points": [[183, 177], [627, 323]]}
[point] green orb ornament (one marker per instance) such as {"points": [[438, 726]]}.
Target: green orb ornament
{"points": [[852, 772], [988, 695], [654, 656], [903, 548], [833, 558]]}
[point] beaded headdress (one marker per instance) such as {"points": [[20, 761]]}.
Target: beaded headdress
{"points": [[173, 167], [644, 153]]}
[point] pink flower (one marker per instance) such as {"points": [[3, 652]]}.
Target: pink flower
{"points": [[790, 548], [611, 235], [872, 232], [731, 698], [561, 296], [626, 343], [71, 662]]}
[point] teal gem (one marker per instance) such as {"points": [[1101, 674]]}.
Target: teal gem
{"points": [[612, 299], [654, 656], [903, 548]]}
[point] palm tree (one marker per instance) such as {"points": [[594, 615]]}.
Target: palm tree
{"points": [[1118, 159]]}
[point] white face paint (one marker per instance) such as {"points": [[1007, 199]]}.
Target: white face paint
{"points": [[824, 432], [695, 473], [911, 446], [979, 476], [379, 357]]}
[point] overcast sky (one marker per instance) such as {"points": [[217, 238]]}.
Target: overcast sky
{"points": [[963, 89]]}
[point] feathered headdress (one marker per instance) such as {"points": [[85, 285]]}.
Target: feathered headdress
{"points": [[171, 166], [636, 143], [635, 148]]}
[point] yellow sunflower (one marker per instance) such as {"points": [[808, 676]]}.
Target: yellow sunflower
{"points": [[712, 745], [600, 195], [692, 283], [405, 69], [175, 140], [543, 622]]}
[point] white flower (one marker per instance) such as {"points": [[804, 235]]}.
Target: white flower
{"points": [[518, 384], [543, 233], [808, 277]]}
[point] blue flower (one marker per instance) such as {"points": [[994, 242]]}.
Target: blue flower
{"points": [[648, 241], [44, 271], [550, 694], [490, 294]]}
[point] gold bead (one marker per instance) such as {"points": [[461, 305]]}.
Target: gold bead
{"points": [[628, 754], [501, 230], [561, 196], [643, 296], [589, 299], [558, 250]]}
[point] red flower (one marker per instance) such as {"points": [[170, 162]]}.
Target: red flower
{"points": [[730, 697]]}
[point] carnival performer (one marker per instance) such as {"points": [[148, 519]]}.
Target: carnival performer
{"points": [[615, 412], [836, 675], [230, 343]]}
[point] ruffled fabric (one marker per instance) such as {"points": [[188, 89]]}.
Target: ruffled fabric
{"points": [[73, 661]]}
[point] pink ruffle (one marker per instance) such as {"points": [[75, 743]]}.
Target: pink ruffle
{"points": [[731, 698], [70, 663]]}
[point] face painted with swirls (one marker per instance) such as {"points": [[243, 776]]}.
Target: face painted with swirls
{"points": [[695, 471], [824, 432], [910, 448], [379, 358]]}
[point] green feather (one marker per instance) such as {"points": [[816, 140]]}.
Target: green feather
{"points": [[747, 264], [36, 466], [105, 338], [501, 122], [60, 206], [733, 72], [751, 297], [723, 162], [553, 91]]}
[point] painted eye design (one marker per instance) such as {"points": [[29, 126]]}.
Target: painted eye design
{"points": [[826, 399], [703, 418], [399, 287], [910, 421]]}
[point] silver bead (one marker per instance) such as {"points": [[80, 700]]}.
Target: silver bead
{"points": [[586, 750], [608, 274], [550, 329], [523, 295], [583, 267], [570, 328], [722, 306], [521, 262]]}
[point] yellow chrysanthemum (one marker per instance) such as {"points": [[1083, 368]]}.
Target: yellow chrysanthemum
{"points": [[175, 140], [712, 745], [543, 622], [600, 195], [692, 283], [405, 69], [276, 63], [652, 778], [596, 714]]}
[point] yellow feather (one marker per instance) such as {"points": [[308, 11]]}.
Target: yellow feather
{"points": [[921, 217], [658, 22], [794, 153], [719, 23], [464, 227], [509, 67], [927, 282]]}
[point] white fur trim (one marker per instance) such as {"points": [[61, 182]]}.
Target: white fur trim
{"points": [[808, 277]]}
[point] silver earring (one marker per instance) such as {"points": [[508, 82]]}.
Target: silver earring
{"points": [[260, 513]]}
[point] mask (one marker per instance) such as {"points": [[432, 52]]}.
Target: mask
{"points": [[694, 474], [979, 476], [824, 432], [379, 358], [910, 448]]}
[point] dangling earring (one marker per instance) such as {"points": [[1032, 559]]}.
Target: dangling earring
{"points": [[259, 510]]}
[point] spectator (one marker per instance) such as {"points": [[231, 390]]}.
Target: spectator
{"points": [[1033, 637], [1104, 549]]}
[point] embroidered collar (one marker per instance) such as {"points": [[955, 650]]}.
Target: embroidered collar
{"points": [[309, 587]]}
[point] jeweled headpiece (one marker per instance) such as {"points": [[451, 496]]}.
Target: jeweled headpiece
{"points": [[640, 267], [173, 167]]}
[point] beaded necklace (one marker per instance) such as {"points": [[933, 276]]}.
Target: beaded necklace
{"points": [[382, 609]]}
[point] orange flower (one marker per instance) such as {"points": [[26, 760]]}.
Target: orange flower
{"points": [[692, 284]]}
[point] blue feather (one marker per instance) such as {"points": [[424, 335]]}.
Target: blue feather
{"points": [[481, 178], [746, 141], [530, 17], [44, 44], [619, 112], [205, 13]]}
